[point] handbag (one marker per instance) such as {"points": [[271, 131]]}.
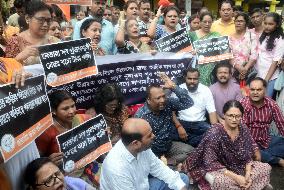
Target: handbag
{"points": [[251, 74]]}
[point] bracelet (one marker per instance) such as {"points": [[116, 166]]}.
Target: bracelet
{"points": [[174, 86]]}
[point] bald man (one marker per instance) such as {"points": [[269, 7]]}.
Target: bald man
{"points": [[130, 162]]}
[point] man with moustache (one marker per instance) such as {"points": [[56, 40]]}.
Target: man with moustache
{"points": [[193, 119], [157, 110], [225, 25], [107, 33], [144, 19], [131, 161], [259, 112], [225, 88]]}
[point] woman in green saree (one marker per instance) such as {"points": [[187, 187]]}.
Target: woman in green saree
{"points": [[206, 20]]}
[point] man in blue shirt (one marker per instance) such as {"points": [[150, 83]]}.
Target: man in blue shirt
{"points": [[107, 34], [158, 111]]}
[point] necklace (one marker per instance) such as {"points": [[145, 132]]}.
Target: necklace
{"points": [[60, 124]]}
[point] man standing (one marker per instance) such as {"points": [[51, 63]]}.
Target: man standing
{"points": [[225, 25], [131, 161], [20, 12], [107, 34], [115, 11], [257, 21], [259, 113], [225, 88], [158, 112], [144, 19], [193, 119], [107, 14]]}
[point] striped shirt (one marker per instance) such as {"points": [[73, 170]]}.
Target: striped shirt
{"points": [[258, 120]]}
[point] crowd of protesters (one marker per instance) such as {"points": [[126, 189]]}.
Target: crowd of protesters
{"points": [[222, 128]]}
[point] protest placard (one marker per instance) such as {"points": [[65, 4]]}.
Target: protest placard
{"points": [[70, 2], [132, 73], [68, 61], [84, 143], [24, 115], [177, 42], [213, 49]]}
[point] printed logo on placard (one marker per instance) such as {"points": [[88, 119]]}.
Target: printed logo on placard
{"points": [[69, 166], [51, 77], [201, 57], [8, 143]]}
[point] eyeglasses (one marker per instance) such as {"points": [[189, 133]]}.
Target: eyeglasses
{"points": [[107, 14], [51, 180], [42, 20], [231, 117]]}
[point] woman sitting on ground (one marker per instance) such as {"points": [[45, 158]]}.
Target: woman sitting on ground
{"points": [[42, 174], [92, 28], [109, 102], [65, 118], [225, 156], [128, 38]]}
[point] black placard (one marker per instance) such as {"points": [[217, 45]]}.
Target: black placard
{"points": [[212, 50], [175, 42], [83, 144], [68, 61], [24, 115]]}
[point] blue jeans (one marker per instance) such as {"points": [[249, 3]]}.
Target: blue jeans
{"points": [[157, 184], [270, 88], [195, 131], [274, 152]]}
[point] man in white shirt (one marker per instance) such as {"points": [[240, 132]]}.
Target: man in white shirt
{"points": [[131, 161], [193, 119]]}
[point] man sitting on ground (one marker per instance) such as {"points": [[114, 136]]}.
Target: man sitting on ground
{"points": [[158, 112], [131, 161], [225, 88], [260, 111], [193, 119]]}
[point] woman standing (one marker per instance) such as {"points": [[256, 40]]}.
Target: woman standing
{"points": [[270, 50], [194, 22], [225, 156], [206, 20], [92, 28], [244, 46], [171, 18], [22, 47], [55, 30], [131, 9], [128, 38]]}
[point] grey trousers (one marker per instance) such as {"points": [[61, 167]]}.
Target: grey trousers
{"points": [[179, 151]]}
